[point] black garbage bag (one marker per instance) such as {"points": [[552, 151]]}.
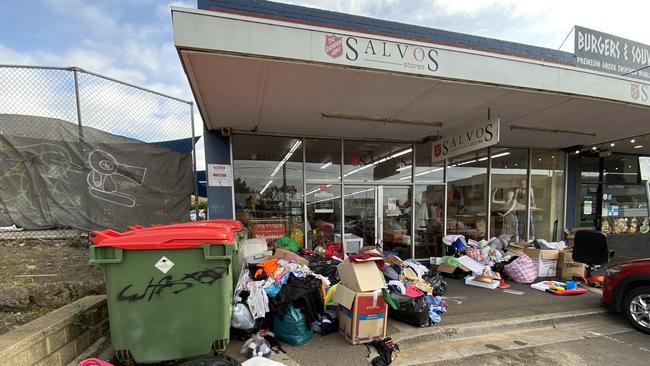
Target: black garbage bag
{"points": [[412, 310], [220, 360], [437, 282], [326, 268]]}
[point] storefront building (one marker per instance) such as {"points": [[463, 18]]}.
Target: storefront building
{"points": [[328, 127]]}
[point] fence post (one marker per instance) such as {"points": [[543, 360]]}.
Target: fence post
{"points": [[76, 95], [195, 177]]}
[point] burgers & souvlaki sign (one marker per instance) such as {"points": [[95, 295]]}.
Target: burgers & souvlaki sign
{"points": [[472, 138]]}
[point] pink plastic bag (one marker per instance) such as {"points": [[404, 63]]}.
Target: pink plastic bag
{"points": [[522, 269], [94, 362]]}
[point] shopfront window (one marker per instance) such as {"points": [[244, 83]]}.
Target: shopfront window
{"points": [[377, 162], [268, 181], [429, 213], [508, 197], [625, 209], [427, 171], [322, 160], [547, 194], [467, 195], [624, 206], [323, 214]]}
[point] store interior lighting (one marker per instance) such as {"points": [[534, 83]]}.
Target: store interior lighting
{"points": [[384, 159], [280, 164], [326, 165]]}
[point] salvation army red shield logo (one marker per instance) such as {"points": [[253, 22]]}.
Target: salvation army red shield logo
{"points": [[437, 150], [334, 46], [634, 91]]}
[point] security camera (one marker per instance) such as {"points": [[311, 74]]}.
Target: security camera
{"points": [[225, 131]]}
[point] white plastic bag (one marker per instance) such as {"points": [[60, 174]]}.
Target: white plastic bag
{"points": [[261, 361], [241, 317], [256, 346]]}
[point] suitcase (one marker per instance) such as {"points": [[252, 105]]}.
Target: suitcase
{"points": [[412, 310]]}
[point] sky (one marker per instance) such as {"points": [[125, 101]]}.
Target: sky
{"points": [[132, 40]]}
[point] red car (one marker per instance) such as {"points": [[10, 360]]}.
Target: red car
{"points": [[627, 289]]}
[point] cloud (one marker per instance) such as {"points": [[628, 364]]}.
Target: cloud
{"points": [[540, 23], [141, 54]]}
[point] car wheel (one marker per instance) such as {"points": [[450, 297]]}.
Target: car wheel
{"points": [[637, 308]]}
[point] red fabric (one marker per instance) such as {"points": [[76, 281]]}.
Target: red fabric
{"points": [[412, 291], [363, 257]]}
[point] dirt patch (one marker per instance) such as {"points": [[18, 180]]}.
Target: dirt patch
{"points": [[40, 276]]}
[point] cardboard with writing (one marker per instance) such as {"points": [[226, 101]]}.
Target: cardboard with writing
{"points": [[362, 315]]}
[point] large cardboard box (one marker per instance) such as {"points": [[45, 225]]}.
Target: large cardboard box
{"points": [[545, 260], [362, 315], [567, 268], [361, 276]]}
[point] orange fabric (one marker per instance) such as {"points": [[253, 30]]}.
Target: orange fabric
{"points": [[268, 266]]}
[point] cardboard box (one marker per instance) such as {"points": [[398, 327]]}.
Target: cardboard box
{"points": [[361, 276], [471, 280], [567, 268], [446, 268], [290, 256], [362, 315], [546, 254], [517, 248], [545, 260]]}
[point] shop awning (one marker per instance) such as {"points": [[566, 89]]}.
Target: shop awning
{"points": [[272, 77]]}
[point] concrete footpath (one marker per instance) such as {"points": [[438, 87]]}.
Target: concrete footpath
{"points": [[472, 312]]}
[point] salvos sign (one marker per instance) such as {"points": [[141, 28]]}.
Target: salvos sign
{"points": [[371, 52], [473, 138]]}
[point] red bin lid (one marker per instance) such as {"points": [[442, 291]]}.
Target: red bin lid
{"points": [[174, 236]]}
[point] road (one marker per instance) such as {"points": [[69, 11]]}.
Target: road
{"points": [[598, 341], [630, 349]]}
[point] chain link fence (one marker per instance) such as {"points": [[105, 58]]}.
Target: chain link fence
{"points": [[80, 151]]}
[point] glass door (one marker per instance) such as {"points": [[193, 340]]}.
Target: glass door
{"points": [[378, 215], [395, 219], [360, 220]]}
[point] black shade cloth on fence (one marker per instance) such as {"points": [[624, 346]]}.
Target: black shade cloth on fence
{"points": [[55, 174]]}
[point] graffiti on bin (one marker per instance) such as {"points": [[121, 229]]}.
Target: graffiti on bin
{"points": [[204, 277]]}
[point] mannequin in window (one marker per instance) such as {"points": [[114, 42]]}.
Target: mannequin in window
{"points": [[422, 211], [520, 195], [510, 220]]}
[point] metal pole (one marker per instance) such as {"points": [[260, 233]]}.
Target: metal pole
{"points": [[195, 178], [342, 219], [565, 166], [647, 193], [77, 99], [529, 188], [413, 205], [304, 195], [489, 194]]}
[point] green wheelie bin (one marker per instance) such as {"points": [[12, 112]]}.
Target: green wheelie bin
{"points": [[168, 288]]}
